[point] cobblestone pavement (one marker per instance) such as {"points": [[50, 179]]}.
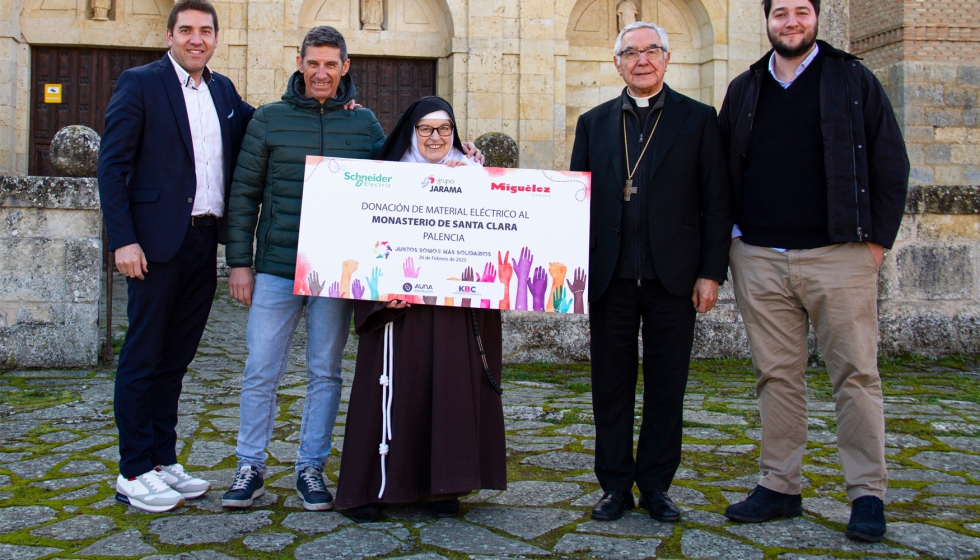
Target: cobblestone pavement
{"points": [[58, 458]]}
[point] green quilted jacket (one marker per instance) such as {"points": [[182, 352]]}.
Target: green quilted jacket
{"points": [[268, 182]]}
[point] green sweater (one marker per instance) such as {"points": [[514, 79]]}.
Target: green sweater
{"points": [[268, 183]]}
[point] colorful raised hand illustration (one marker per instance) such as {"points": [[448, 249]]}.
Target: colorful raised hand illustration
{"points": [[560, 303], [557, 271], [467, 277], [357, 290], [372, 282], [315, 285], [409, 268], [489, 275], [522, 268], [578, 290], [538, 286], [429, 300], [345, 274], [334, 290], [506, 271]]}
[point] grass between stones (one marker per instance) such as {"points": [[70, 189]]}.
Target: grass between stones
{"points": [[922, 381]]}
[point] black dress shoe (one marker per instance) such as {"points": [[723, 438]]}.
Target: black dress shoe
{"points": [[446, 508], [612, 505], [660, 506], [763, 504], [368, 513]]}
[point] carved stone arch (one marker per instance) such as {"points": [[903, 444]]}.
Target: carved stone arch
{"points": [[591, 28], [421, 28]]}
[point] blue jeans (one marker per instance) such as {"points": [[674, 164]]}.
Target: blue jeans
{"points": [[272, 321]]}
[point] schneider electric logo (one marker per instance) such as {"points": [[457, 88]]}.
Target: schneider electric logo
{"points": [[531, 189], [377, 180]]}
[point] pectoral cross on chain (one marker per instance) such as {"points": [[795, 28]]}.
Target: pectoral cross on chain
{"points": [[628, 190]]}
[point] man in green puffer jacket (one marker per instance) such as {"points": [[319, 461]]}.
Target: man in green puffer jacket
{"points": [[267, 192]]}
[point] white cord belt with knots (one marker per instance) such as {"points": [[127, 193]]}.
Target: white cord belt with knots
{"points": [[387, 395]]}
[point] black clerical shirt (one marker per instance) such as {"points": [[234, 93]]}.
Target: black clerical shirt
{"points": [[635, 259]]}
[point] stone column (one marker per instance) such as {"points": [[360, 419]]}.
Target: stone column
{"points": [[265, 75], [231, 57], [835, 23], [537, 85], [14, 91]]}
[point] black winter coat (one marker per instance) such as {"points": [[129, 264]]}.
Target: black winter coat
{"points": [[271, 167], [864, 153]]}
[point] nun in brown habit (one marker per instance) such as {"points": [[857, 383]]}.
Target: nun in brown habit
{"points": [[446, 419]]}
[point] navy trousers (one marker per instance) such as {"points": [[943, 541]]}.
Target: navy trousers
{"points": [[167, 314], [668, 335]]}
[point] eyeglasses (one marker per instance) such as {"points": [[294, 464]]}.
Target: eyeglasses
{"points": [[632, 55], [425, 130]]}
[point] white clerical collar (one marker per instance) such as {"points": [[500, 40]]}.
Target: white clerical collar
{"points": [[643, 101], [803, 66]]}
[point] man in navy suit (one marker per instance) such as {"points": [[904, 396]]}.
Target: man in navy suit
{"points": [[173, 130]]}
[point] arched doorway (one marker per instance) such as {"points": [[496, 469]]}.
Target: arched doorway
{"points": [[592, 28]]}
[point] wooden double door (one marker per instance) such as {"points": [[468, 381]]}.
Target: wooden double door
{"points": [[87, 76], [387, 86]]}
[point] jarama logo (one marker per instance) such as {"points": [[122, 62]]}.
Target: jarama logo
{"points": [[376, 180], [381, 249], [441, 185]]}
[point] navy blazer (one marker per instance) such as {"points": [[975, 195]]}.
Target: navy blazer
{"points": [[147, 182]]}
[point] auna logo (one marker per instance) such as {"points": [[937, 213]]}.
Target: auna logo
{"points": [[407, 287], [519, 188]]}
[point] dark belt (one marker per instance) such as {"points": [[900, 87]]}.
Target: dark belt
{"points": [[204, 221]]}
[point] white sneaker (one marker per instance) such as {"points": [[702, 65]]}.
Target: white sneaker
{"points": [[147, 492], [178, 479]]}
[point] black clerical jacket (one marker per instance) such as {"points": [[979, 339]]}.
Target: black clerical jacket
{"points": [[690, 204]]}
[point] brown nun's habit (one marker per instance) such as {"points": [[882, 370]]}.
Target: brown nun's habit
{"points": [[447, 422]]}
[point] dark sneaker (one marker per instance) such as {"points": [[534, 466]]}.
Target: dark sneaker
{"points": [[367, 514], [445, 508], [763, 504], [867, 519], [248, 485], [310, 489]]}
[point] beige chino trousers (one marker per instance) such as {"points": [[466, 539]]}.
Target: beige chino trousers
{"points": [[836, 289]]}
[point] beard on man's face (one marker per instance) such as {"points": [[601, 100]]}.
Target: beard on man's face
{"points": [[786, 51]]}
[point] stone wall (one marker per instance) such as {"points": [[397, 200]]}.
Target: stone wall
{"points": [[929, 294], [50, 272]]}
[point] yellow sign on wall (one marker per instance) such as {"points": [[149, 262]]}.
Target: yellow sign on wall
{"points": [[52, 93]]}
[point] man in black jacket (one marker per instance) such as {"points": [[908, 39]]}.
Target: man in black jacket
{"points": [[659, 242], [820, 173]]}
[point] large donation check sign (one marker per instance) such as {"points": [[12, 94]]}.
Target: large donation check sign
{"points": [[431, 234]]}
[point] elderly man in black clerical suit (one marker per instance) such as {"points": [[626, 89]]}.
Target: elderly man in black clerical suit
{"points": [[659, 242]]}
